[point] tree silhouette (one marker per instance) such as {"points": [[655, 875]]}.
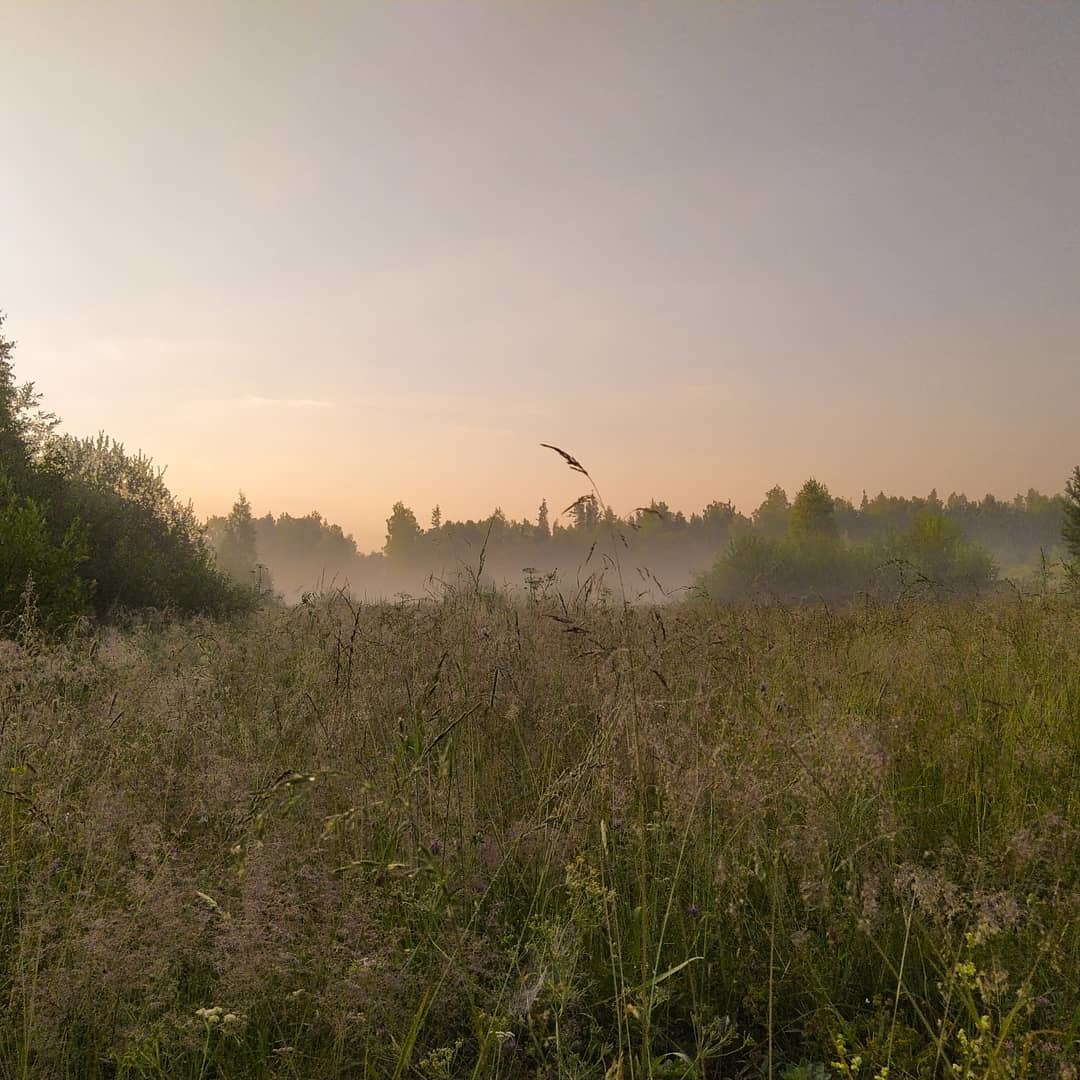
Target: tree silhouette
{"points": [[403, 534], [771, 517], [237, 551], [543, 525], [813, 512]]}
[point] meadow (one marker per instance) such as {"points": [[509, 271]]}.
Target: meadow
{"points": [[473, 835]]}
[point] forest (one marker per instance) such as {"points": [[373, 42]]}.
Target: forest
{"points": [[813, 543]]}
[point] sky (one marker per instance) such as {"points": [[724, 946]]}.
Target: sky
{"points": [[341, 254]]}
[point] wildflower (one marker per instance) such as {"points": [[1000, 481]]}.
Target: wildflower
{"points": [[693, 911], [435, 847]]}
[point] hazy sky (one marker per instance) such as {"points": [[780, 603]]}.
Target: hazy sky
{"points": [[342, 254]]}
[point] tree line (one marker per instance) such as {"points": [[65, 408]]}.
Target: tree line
{"points": [[811, 543], [88, 528]]}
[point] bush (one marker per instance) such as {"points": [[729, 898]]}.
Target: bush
{"points": [[808, 565], [937, 551], [35, 568], [83, 519], [758, 567], [147, 549]]}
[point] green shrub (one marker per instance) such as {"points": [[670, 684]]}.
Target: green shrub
{"points": [[809, 564], [146, 548], [36, 569], [83, 519], [936, 549]]}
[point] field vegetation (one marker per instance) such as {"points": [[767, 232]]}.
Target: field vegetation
{"points": [[476, 836]]}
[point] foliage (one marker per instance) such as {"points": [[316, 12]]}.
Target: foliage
{"points": [[292, 554], [86, 507], [804, 567], [14, 456], [771, 517], [1017, 531], [812, 564], [812, 514], [936, 549], [39, 564], [26, 428], [403, 534], [146, 549], [234, 542], [34, 569]]}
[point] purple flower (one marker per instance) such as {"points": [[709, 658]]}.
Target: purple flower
{"points": [[693, 911], [435, 847]]}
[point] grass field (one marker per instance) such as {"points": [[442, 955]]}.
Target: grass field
{"points": [[474, 837]]}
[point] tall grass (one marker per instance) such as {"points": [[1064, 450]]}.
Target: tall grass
{"points": [[469, 836]]}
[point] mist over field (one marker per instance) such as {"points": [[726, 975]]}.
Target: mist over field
{"points": [[540, 541], [655, 553]]}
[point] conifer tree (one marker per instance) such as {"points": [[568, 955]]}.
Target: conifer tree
{"points": [[543, 525], [238, 554]]}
